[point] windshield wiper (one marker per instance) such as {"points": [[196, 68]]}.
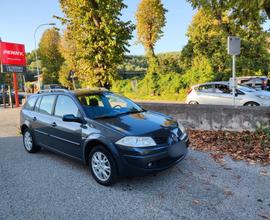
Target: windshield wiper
{"points": [[131, 112], [123, 113]]}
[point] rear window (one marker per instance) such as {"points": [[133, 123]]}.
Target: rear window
{"points": [[46, 104], [29, 105]]}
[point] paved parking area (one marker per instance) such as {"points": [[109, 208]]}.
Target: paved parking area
{"points": [[49, 186]]}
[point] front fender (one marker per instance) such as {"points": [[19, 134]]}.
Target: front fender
{"points": [[98, 138]]}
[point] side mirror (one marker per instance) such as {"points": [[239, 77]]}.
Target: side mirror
{"points": [[73, 118]]}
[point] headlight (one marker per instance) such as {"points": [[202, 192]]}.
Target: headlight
{"points": [[182, 128], [137, 142]]}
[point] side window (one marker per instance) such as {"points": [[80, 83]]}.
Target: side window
{"points": [[37, 104], [220, 88], [64, 106], [205, 88], [29, 105], [46, 105]]}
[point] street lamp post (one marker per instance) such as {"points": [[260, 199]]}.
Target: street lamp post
{"points": [[36, 53]]}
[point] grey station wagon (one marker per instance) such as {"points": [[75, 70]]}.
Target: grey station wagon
{"points": [[111, 134]]}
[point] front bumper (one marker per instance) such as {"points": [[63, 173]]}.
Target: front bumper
{"points": [[141, 161]]}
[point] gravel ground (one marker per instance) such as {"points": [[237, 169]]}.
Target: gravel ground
{"points": [[50, 186]]}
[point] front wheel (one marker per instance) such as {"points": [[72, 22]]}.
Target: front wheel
{"points": [[28, 142], [102, 166], [251, 104]]}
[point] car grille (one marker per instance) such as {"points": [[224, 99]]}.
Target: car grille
{"points": [[165, 139], [161, 140]]}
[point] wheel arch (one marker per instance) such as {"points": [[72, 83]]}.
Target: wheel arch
{"points": [[246, 103], [91, 143], [23, 128]]}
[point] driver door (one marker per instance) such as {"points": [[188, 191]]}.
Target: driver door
{"points": [[66, 136]]}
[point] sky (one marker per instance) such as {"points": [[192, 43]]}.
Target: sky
{"points": [[19, 18]]}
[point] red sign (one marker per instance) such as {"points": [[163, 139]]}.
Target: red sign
{"points": [[12, 54]]}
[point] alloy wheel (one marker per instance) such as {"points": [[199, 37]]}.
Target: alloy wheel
{"points": [[101, 166], [28, 142]]}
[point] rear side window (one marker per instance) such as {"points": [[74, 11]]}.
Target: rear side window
{"points": [[46, 104], [205, 88], [29, 105], [64, 106]]}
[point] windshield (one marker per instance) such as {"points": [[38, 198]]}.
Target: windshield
{"points": [[246, 89], [105, 105]]}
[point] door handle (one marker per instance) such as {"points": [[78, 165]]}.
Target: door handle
{"points": [[53, 124], [34, 118]]}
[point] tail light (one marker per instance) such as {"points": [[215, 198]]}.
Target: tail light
{"points": [[189, 91], [264, 84]]}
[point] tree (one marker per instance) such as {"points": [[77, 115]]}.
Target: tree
{"points": [[209, 39], [68, 50], [200, 72], [151, 19], [101, 38], [242, 12], [50, 55]]}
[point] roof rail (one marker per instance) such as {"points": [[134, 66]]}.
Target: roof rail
{"points": [[52, 90]]}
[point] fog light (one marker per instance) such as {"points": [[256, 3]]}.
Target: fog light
{"points": [[150, 164]]}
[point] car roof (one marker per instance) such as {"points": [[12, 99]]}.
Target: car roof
{"points": [[77, 92], [212, 83]]}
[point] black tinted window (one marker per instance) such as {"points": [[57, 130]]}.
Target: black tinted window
{"points": [[221, 88], [46, 105], [29, 105], [65, 106]]}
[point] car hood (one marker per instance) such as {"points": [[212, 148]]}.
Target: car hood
{"points": [[146, 123]]}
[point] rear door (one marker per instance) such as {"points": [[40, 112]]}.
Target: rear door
{"points": [[66, 136], [205, 94], [43, 119]]}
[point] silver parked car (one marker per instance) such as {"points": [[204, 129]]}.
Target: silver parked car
{"points": [[219, 93]]}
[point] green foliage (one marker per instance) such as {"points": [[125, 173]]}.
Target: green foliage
{"points": [[200, 72], [50, 55], [242, 12], [63, 76], [151, 19], [133, 63], [101, 38], [207, 38]]}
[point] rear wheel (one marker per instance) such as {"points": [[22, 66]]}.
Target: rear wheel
{"points": [[28, 142], [102, 166], [251, 104]]}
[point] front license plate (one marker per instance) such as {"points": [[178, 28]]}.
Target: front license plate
{"points": [[178, 149]]}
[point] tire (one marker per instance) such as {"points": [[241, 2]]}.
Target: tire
{"points": [[251, 104], [193, 103], [29, 142], [102, 166]]}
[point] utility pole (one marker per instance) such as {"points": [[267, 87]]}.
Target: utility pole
{"points": [[234, 47]]}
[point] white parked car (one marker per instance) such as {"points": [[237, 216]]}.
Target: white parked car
{"points": [[219, 93]]}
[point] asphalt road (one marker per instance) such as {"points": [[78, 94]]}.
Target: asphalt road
{"points": [[49, 186]]}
